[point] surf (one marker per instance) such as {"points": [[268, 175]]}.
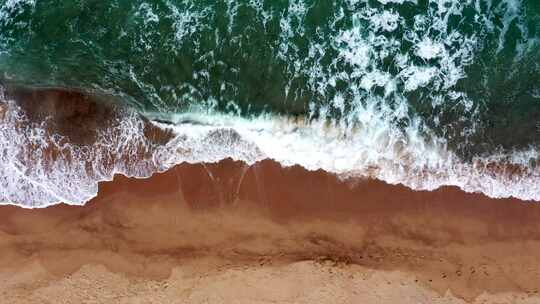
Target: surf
{"points": [[420, 93]]}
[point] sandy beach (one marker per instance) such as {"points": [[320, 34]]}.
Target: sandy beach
{"points": [[228, 232], [216, 152]]}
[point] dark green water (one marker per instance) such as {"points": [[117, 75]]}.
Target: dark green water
{"points": [[466, 71]]}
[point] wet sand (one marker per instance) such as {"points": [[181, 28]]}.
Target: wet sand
{"points": [[229, 232], [232, 233]]}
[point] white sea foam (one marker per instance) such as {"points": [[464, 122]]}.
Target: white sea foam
{"points": [[40, 167], [9, 10], [33, 176], [372, 149], [427, 49], [397, 1]]}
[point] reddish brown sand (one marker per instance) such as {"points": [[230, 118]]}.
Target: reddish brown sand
{"points": [[231, 233], [228, 232]]}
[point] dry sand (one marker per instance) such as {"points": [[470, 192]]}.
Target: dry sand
{"points": [[299, 282], [231, 233]]}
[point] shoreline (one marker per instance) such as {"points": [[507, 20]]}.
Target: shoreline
{"points": [[264, 216], [68, 140]]}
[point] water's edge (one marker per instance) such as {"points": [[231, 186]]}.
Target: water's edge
{"points": [[59, 144]]}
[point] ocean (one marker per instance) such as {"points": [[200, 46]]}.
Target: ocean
{"points": [[423, 93]]}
